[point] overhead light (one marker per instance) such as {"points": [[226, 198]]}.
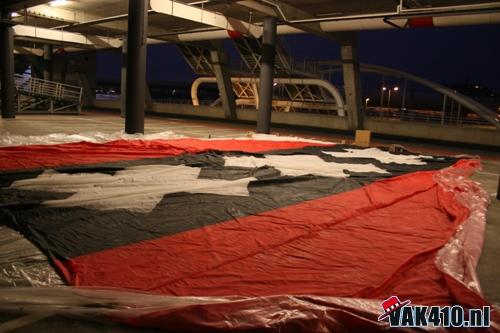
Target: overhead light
{"points": [[58, 3]]}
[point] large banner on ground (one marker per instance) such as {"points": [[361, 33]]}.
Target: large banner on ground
{"points": [[240, 218]]}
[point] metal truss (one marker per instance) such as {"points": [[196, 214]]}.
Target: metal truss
{"points": [[290, 95], [250, 50], [198, 58]]}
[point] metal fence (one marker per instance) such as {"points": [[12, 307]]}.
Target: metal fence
{"points": [[427, 116], [49, 89], [43, 96]]}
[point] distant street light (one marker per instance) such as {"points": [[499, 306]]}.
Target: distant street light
{"points": [[382, 96], [366, 102], [389, 97]]}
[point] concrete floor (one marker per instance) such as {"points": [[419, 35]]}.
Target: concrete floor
{"points": [[488, 269]]}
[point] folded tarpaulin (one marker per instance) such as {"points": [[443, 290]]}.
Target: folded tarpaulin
{"points": [[249, 220]]}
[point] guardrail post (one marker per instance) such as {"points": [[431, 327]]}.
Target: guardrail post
{"points": [[443, 111]]}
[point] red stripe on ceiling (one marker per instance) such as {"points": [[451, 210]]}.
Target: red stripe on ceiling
{"points": [[378, 241], [234, 34], [420, 22], [79, 153]]}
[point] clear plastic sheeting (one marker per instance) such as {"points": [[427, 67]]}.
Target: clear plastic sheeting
{"points": [[459, 258], [22, 263], [95, 137], [100, 137], [281, 313], [272, 137]]}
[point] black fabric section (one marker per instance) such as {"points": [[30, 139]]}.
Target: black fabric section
{"points": [[75, 231], [234, 173], [14, 199], [70, 232], [109, 170], [7, 178]]}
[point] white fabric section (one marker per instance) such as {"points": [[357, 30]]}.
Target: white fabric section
{"points": [[138, 188], [382, 156], [96, 137], [298, 165]]}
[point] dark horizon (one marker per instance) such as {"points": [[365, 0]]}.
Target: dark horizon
{"points": [[451, 55]]}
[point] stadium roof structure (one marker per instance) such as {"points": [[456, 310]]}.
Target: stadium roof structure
{"points": [[103, 21]]}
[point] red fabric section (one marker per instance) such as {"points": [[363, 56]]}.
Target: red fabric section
{"points": [[378, 241], [420, 22], [39, 156]]}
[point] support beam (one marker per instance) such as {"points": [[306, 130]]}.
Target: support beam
{"points": [[28, 51], [7, 67], [352, 82], [266, 75], [49, 36], [75, 19], [47, 62], [195, 14], [136, 66], [220, 63]]}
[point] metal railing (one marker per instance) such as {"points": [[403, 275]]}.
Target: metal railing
{"points": [[49, 89], [43, 96], [427, 116]]}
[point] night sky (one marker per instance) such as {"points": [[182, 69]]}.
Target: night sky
{"points": [[445, 55]]}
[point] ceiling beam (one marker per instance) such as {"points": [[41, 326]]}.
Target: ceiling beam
{"points": [[289, 13], [75, 19], [200, 15], [259, 7], [78, 20], [60, 37], [15, 5], [28, 51]]}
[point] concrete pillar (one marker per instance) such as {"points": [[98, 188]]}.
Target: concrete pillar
{"points": [[7, 67], [220, 63], [266, 75], [136, 66], [352, 82], [47, 63], [123, 82]]}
